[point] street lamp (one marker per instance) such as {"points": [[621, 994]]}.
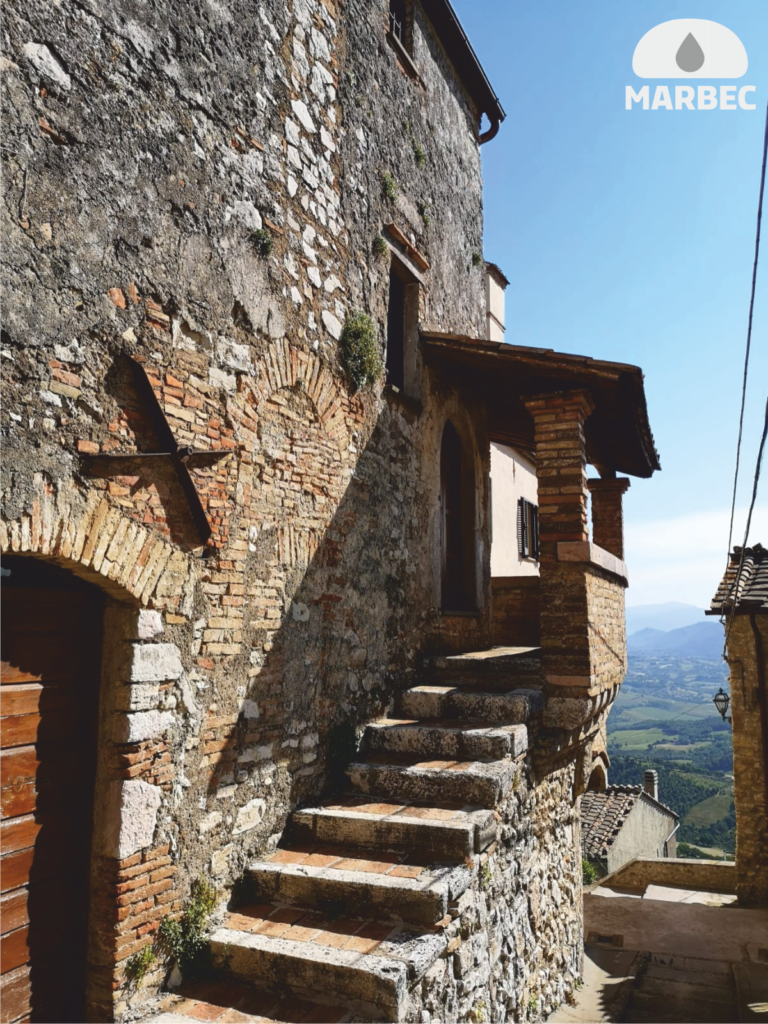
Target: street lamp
{"points": [[721, 700]]}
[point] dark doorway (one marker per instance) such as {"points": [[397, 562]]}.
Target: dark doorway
{"points": [[396, 331], [457, 507], [52, 628]]}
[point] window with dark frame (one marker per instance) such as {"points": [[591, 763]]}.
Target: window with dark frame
{"points": [[396, 331], [398, 14], [527, 529]]}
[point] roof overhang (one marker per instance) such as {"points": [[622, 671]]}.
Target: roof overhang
{"points": [[465, 61], [618, 434]]}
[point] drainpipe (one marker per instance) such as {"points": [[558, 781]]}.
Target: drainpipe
{"points": [[761, 697], [677, 826], [492, 131]]}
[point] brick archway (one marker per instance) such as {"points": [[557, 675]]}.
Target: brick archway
{"points": [[94, 538]]}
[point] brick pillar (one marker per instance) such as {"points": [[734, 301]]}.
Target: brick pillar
{"points": [[560, 467], [607, 514]]}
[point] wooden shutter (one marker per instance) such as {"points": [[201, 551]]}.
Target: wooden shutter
{"points": [[534, 531], [522, 527]]}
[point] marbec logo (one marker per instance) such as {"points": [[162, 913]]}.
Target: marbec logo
{"points": [[688, 48]]}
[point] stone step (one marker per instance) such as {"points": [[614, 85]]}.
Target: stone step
{"points": [[497, 667], [471, 701], [404, 777], [447, 738], [368, 965], [388, 884], [227, 1000], [450, 832]]}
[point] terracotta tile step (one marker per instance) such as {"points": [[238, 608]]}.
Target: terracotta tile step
{"points": [[408, 777], [447, 738], [450, 832], [364, 965], [388, 884], [474, 700], [234, 1002]]}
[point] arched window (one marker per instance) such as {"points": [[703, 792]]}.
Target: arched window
{"points": [[457, 507], [597, 780]]}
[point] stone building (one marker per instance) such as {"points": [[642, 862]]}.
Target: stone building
{"points": [[742, 599], [621, 823], [248, 610]]}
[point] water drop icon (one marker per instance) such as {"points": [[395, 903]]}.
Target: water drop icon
{"points": [[690, 56]]}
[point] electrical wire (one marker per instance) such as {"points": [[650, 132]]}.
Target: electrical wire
{"points": [[744, 392]]}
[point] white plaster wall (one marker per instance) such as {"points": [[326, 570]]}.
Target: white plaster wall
{"points": [[642, 835], [512, 477], [494, 305]]}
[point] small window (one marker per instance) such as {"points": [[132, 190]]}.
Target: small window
{"points": [[396, 331], [527, 529], [398, 20]]}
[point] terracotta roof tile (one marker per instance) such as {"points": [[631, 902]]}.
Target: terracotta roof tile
{"points": [[750, 589]]}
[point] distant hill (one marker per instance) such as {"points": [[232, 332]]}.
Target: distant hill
{"points": [[671, 615], [701, 640]]}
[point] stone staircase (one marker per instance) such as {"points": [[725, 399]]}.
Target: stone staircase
{"points": [[352, 909]]}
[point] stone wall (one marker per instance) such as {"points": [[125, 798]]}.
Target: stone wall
{"points": [[750, 778], [146, 148], [516, 611], [515, 946], [701, 875]]}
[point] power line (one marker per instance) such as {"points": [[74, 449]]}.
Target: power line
{"points": [[744, 388]]}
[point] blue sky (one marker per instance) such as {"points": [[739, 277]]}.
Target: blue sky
{"points": [[629, 235]]}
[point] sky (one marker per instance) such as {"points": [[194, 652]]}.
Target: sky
{"points": [[630, 236]]}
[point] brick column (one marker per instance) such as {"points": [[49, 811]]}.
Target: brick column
{"points": [[561, 467], [607, 514]]}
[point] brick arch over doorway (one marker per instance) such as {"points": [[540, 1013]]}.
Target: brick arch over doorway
{"points": [[140, 588]]}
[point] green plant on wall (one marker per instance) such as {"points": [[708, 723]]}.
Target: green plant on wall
{"points": [[477, 259], [588, 872], [418, 154], [186, 939], [388, 186], [262, 242], [138, 965], [360, 351], [380, 248], [424, 212]]}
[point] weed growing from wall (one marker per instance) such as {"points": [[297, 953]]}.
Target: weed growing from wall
{"points": [[477, 259], [138, 965], [388, 186], [186, 939], [262, 242], [360, 351], [380, 248], [424, 212], [418, 154]]}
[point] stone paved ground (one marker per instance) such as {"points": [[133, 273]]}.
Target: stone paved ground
{"points": [[645, 988]]}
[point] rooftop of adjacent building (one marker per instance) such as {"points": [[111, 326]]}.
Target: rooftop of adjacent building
{"points": [[603, 815], [744, 583]]}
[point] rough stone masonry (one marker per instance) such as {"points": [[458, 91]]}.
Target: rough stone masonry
{"points": [[198, 188]]}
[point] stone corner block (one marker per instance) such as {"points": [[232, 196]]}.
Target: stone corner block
{"points": [[149, 624], [132, 817], [151, 663], [142, 725]]}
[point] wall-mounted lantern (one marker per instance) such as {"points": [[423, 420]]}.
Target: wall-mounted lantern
{"points": [[721, 700]]}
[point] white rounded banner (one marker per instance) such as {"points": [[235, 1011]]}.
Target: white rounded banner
{"points": [[690, 48]]}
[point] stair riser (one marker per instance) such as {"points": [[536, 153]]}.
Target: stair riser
{"points": [[315, 971], [445, 744], [502, 708], [397, 783], [492, 678], [435, 839], [420, 908]]}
